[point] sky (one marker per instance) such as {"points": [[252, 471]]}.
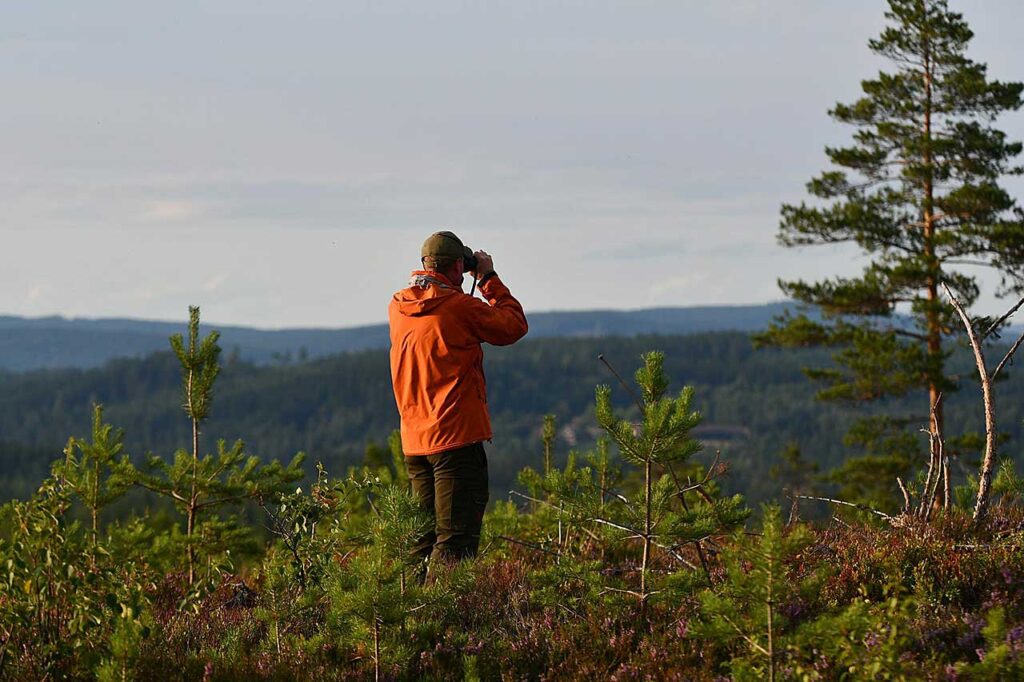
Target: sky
{"points": [[280, 163]]}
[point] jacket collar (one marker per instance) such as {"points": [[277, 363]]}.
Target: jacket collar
{"points": [[424, 278]]}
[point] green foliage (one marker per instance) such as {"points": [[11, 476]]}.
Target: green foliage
{"points": [[201, 486], [662, 439], [100, 472], [65, 602], [1001, 658], [377, 590], [548, 437], [592, 516], [743, 612], [917, 192], [200, 367], [334, 593], [664, 433], [865, 640]]}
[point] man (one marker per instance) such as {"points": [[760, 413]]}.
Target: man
{"points": [[438, 377]]}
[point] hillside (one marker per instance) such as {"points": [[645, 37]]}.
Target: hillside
{"points": [[754, 402], [54, 342]]}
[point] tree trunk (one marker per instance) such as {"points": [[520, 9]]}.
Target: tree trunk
{"points": [[376, 649], [771, 633], [192, 505], [191, 551], [934, 325], [95, 504], [647, 533]]}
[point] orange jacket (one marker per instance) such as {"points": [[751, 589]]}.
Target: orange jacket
{"points": [[437, 363]]}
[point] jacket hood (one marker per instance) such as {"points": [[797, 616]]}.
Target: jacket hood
{"points": [[426, 291]]}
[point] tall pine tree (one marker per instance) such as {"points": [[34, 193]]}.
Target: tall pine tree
{"points": [[918, 192]]}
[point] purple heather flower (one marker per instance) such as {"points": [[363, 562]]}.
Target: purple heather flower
{"points": [[682, 628]]}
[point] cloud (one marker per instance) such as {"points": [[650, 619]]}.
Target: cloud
{"points": [[170, 210], [678, 283], [215, 282], [34, 293]]}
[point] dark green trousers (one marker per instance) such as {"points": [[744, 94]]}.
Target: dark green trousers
{"points": [[452, 487]]}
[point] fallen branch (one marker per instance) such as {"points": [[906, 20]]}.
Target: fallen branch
{"points": [[906, 495], [529, 545], [855, 505]]}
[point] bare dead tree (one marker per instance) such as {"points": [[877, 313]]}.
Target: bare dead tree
{"points": [[937, 465], [988, 400]]}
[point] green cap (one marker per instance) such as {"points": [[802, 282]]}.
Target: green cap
{"points": [[444, 245]]}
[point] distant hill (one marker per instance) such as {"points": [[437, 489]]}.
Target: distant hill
{"points": [[56, 342], [754, 404]]}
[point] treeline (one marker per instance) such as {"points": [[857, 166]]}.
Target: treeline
{"points": [[755, 403], [57, 342]]}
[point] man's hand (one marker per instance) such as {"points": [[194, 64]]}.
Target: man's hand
{"points": [[484, 264]]}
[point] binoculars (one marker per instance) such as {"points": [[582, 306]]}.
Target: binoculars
{"points": [[469, 262]]}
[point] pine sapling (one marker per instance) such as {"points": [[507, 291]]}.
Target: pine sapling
{"points": [[370, 594], [661, 439], [745, 607], [548, 437], [202, 485], [96, 471]]}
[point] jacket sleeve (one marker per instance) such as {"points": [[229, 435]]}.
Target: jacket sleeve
{"points": [[501, 323]]}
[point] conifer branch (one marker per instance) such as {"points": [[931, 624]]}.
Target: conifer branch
{"points": [[910, 335], [161, 491], [643, 596], [757, 647]]}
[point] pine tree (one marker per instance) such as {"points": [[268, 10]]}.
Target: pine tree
{"points": [[202, 485], [744, 609], [594, 511], [63, 597], [917, 191], [371, 595], [661, 517], [548, 436], [100, 472]]}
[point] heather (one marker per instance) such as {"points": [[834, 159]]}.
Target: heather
{"points": [[330, 597], [628, 562]]}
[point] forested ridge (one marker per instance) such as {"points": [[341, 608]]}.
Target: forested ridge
{"points": [[754, 404]]}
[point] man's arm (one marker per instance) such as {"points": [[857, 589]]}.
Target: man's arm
{"points": [[503, 322]]}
